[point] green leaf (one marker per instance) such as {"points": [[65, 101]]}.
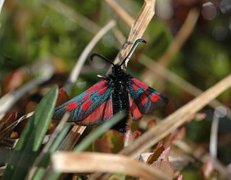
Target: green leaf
{"points": [[31, 138]]}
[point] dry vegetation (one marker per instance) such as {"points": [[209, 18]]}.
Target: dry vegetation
{"points": [[159, 151]]}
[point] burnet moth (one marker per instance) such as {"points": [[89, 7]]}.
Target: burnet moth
{"points": [[116, 92]]}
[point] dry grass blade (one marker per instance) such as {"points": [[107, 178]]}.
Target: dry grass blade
{"points": [[138, 28], [121, 13], [89, 162], [176, 119], [181, 37], [179, 40], [80, 62], [159, 69]]}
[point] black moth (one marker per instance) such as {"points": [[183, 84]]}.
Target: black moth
{"points": [[116, 92]]}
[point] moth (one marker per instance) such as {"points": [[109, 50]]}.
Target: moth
{"points": [[116, 92]]}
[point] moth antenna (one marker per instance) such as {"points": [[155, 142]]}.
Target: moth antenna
{"points": [[100, 56], [128, 57]]}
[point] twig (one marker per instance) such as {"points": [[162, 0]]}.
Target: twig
{"points": [[87, 162], [138, 28], [76, 70], [176, 119]]}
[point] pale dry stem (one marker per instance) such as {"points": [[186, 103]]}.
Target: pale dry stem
{"points": [[83, 57], [138, 28], [120, 12], [162, 71], [179, 40], [70, 162]]}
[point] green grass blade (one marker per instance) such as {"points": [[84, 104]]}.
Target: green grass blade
{"points": [[42, 170], [31, 138]]}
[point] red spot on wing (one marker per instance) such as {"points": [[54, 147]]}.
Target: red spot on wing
{"points": [[139, 83], [86, 105], [135, 87], [143, 99], [96, 87], [85, 98], [102, 91], [71, 106], [135, 112], [103, 112], [155, 97]]}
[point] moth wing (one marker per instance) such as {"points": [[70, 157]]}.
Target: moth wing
{"points": [[143, 99], [90, 107]]}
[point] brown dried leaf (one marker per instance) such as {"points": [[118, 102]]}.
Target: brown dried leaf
{"points": [[111, 142], [156, 154], [163, 163], [13, 80], [8, 119], [62, 97]]}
